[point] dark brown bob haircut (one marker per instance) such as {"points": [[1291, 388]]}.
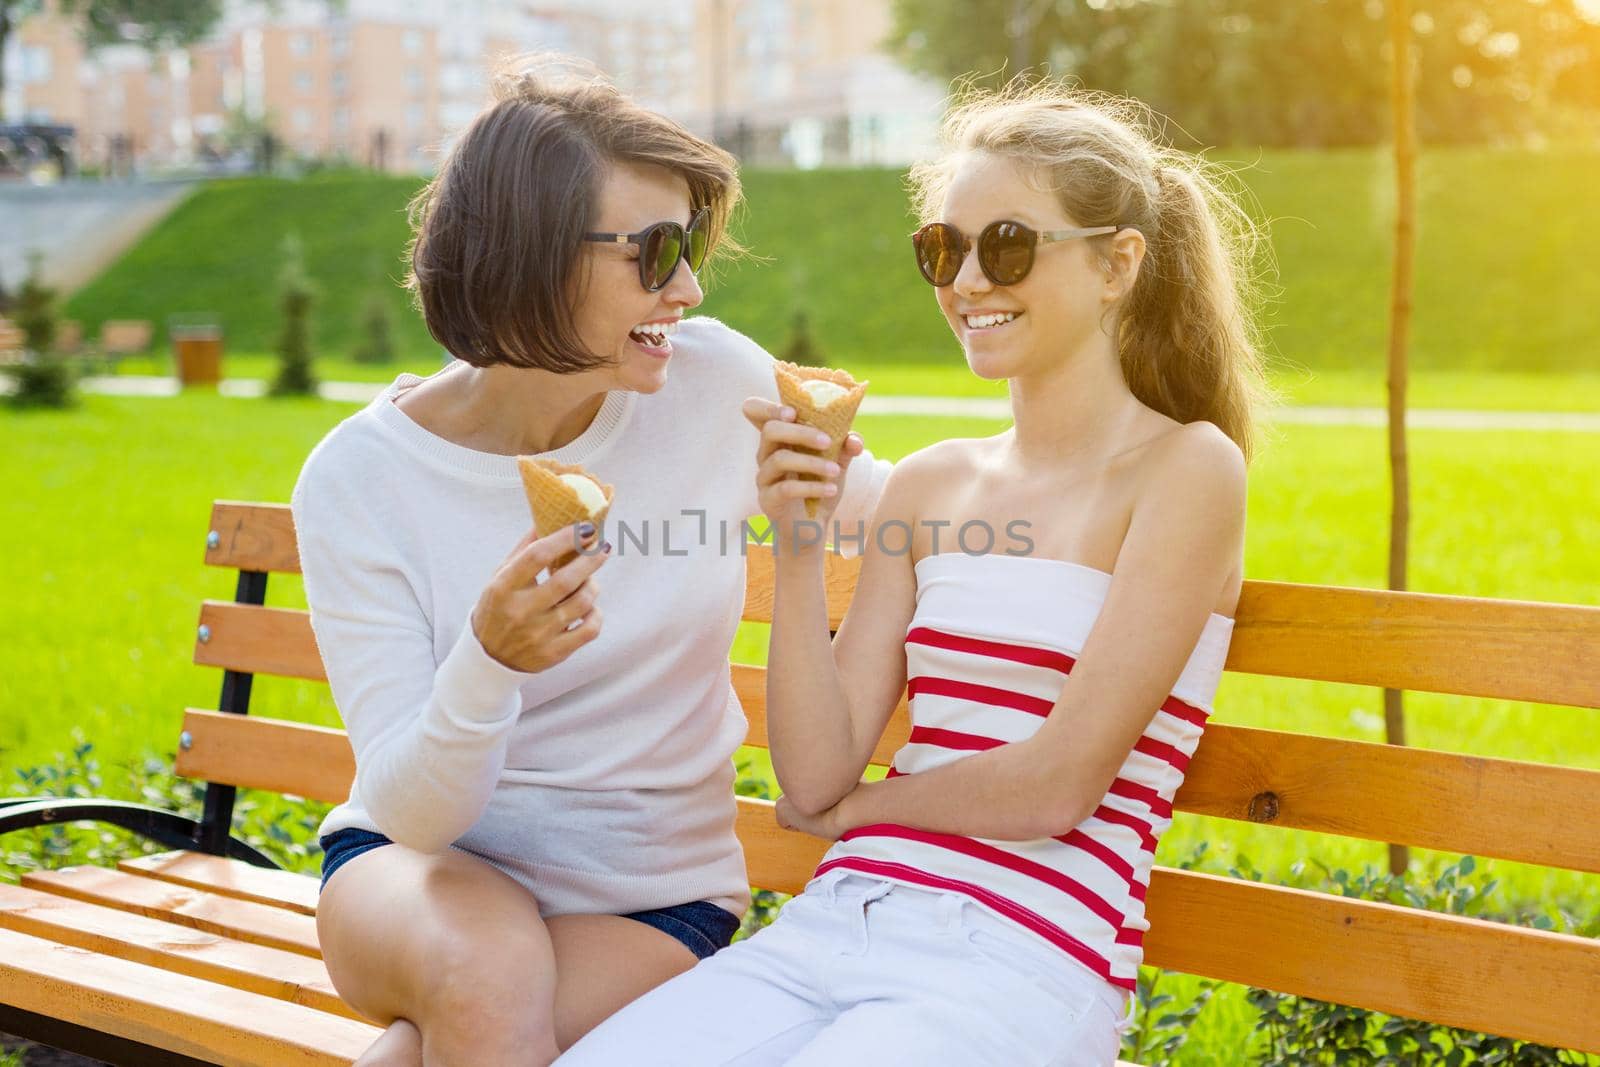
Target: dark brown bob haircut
{"points": [[497, 252]]}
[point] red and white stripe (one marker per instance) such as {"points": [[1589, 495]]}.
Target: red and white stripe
{"points": [[987, 654]]}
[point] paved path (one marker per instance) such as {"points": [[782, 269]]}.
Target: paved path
{"points": [[973, 407], [80, 227]]}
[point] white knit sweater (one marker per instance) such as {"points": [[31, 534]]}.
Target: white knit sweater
{"points": [[604, 784]]}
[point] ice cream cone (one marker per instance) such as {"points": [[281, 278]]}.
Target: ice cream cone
{"points": [[833, 419], [556, 504]]}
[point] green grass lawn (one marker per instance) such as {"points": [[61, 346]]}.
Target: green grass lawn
{"points": [[107, 515], [1504, 273]]}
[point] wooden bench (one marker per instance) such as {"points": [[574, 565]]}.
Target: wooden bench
{"points": [[125, 337], [69, 337], [206, 954], [11, 341], [118, 339]]}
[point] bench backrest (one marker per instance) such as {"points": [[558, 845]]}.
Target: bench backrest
{"points": [[1493, 977], [125, 337], [69, 336]]}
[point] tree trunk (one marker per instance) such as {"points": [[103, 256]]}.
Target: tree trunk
{"points": [[5, 39], [1403, 103], [1020, 34]]}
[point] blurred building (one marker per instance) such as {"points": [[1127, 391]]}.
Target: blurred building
{"points": [[387, 84], [807, 82]]}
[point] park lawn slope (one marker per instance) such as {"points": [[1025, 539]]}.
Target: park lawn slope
{"points": [[1504, 274]]}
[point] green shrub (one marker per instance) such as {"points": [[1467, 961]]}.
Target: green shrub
{"points": [[376, 333], [43, 381], [43, 378], [1157, 1035], [296, 295], [283, 828]]}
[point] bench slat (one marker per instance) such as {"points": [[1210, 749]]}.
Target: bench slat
{"points": [[1377, 792], [1468, 973], [1462, 972], [1410, 796], [260, 753], [1548, 653], [177, 1012], [1506, 809], [257, 640], [254, 537], [242, 920], [180, 949], [229, 878], [1512, 650]]}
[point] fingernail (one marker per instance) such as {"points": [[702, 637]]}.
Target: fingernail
{"points": [[606, 548], [585, 529], [833, 468], [821, 439], [786, 414], [830, 489]]}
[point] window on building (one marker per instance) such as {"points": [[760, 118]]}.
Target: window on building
{"points": [[302, 119], [341, 83], [414, 115], [341, 119], [300, 45], [304, 82], [456, 116], [412, 42], [414, 80], [35, 64]]}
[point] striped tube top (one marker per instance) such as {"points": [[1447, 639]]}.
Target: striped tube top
{"points": [[987, 654]]}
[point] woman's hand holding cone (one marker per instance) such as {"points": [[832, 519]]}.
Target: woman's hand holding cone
{"points": [[786, 451], [529, 625]]}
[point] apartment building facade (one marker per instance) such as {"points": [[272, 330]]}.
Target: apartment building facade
{"points": [[388, 84]]}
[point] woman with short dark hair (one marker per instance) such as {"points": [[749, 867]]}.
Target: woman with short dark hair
{"points": [[541, 825]]}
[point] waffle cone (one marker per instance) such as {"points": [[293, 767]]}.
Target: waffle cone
{"points": [[556, 504], [833, 420]]}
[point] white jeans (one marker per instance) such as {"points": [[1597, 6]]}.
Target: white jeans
{"points": [[861, 971]]}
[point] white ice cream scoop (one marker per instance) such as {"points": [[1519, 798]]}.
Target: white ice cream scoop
{"points": [[823, 392], [589, 494]]}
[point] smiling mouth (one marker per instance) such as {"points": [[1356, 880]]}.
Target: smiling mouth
{"points": [[654, 335], [982, 323]]}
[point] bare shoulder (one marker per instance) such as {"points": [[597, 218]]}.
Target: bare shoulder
{"points": [[916, 483], [1197, 460]]}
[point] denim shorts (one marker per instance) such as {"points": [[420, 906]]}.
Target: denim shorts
{"points": [[701, 927]]}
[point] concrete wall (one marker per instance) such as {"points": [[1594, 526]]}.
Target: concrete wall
{"points": [[80, 227]]}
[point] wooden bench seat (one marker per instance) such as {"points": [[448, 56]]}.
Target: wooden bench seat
{"points": [[201, 958]]}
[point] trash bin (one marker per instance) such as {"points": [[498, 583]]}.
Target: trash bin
{"points": [[197, 351]]}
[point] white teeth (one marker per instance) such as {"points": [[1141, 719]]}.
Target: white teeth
{"points": [[981, 322], [654, 333]]}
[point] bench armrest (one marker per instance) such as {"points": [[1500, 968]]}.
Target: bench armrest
{"points": [[163, 827]]}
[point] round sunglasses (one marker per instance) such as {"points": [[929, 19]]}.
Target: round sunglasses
{"points": [[1005, 249], [663, 246]]}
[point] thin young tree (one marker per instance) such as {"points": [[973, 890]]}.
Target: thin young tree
{"points": [[1403, 105], [296, 376]]}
